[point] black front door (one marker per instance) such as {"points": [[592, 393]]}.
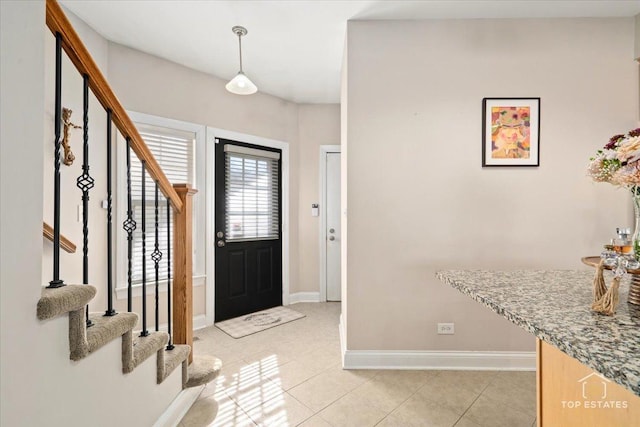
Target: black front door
{"points": [[248, 235]]}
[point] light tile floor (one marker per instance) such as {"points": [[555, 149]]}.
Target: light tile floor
{"points": [[291, 375]]}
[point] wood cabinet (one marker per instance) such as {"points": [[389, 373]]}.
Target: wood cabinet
{"points": [[572, 394]]}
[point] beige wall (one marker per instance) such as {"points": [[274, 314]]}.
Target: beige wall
{"points": [[637, 39], [318, 125], [152, 85], [419, 200]]}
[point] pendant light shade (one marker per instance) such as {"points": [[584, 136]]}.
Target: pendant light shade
{"points": [[240, 84]]}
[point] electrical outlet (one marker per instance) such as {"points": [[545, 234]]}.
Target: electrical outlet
{"points": [[446, 328]]}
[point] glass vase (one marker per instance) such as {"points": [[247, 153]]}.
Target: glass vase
{"points": [[634, 284], [635, 196]]}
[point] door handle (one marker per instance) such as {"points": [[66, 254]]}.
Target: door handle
{"points": [[219, 234], [332, 238], [220, 243]]}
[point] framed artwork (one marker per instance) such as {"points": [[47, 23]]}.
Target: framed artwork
{"points": [[510, 132]]}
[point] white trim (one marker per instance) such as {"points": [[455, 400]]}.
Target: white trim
{"points": [[324, 150], [178, 408], [343, 341], [297, 297], [440, 360], [209, 252], [136, 290], [211, 135], [200, 321]]}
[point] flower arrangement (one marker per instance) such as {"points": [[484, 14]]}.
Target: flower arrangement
{"points": [[618, 162]]}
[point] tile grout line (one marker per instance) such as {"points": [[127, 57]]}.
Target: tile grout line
{"points": [[342, 396], [495, 376], [403, 402]]}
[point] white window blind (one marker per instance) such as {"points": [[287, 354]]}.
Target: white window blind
{"points": [[174, 152], [251, 194]]}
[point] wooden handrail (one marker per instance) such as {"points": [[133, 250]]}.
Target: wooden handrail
{"points": [[80, 57], [66, 244]]}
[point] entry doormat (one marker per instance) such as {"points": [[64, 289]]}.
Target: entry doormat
{"points": [[255, 322]]}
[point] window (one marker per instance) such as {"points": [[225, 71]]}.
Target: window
{"points": [[174, 152], [179, 148], [252, 193]]}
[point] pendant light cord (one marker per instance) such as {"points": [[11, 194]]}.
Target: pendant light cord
{"points": [[240, 45]]}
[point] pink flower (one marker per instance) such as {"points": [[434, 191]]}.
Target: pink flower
{"points": [[629, 150], [618, 163]]}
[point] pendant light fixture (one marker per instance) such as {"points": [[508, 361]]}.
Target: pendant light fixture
{"points": [[240, 84]]}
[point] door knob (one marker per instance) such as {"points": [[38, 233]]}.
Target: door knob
{"points": [[219, 234], [332, 238], [331, 230], [220, 243]]}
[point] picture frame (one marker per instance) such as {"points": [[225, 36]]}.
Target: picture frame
{"points": [[510, 132]]}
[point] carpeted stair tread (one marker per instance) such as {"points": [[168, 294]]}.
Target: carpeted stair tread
{"points": [[145, 347], [107, 328], [84, 341], [172, 358], [73, 299], [104, 330], [57, 301], [203, 370]]}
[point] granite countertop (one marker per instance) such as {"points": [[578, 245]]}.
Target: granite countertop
{"points": [[555, 306]]}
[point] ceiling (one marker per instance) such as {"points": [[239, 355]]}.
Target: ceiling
{"points": [[294, 48]]}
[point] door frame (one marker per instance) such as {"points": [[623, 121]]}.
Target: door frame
{"points": [[324, 150], [211, 135]]}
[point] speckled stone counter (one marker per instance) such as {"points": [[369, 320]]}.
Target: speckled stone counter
{"points": [[555, 307]]}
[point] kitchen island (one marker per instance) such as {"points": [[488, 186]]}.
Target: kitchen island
{"points": [[588, 364]]}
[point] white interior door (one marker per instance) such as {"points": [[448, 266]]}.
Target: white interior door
{"points": [[332, 232]]}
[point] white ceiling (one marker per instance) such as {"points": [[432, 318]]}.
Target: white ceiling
{"points": [[294, 48]]}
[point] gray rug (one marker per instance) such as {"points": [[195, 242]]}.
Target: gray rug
{"points": [[255, 322]]}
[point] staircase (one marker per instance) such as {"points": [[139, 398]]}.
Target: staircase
{"points": [[83, 341], [88, 332]]}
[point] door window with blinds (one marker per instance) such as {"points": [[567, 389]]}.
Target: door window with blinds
{"points": [[174, 151], [252, 194]]}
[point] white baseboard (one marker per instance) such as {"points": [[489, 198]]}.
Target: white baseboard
{"points": [[179, 407], [200, 322], [435, 360], [440, 360], [304, 297]]}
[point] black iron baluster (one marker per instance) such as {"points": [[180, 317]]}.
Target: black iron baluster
{"points": [[85, 183], [170, 345], [144, 331], [129, 226], [156, 256], [57, 282], [110, 311]]}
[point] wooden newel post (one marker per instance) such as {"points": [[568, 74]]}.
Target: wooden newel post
{"points": [[183, 268]]}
